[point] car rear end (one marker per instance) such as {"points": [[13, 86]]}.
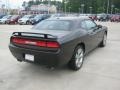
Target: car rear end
{"points": [[36, 48], [112, 19], [117, 18]]}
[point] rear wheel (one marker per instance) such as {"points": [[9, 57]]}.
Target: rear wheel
{"points": [[5, 22], [77, 59], [104, 41]]}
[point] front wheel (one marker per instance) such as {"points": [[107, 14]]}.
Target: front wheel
{"points": [[104, 41], [77, 59], [27, 23]]}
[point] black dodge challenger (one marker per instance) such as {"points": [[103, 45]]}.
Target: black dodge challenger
{"points": [[58, 41]]}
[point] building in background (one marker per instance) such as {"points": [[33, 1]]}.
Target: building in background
{"points": [[44, 8], [9, 11], [40, 9]]}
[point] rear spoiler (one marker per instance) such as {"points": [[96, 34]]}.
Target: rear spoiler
{"points": [[35, 35]]}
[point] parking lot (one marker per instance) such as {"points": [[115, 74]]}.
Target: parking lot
{"points": [[101, 69]]}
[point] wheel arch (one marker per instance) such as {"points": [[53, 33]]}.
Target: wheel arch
{"points": [[83, 45], [106, 32]]}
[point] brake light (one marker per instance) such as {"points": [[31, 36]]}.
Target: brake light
{"points": [[41, 43], [53, 45], [48, 44]]}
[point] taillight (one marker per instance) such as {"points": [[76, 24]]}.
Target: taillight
{"points": [[41, 43], [48, 44], [53, 44]]}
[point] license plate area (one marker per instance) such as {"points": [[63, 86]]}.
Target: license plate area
{"points": [[29, 57]]}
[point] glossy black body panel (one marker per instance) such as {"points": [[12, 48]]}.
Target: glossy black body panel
{"points": [[68, 41]]}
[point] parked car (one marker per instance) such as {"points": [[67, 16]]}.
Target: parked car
{"points": [[25, 19], [93, 17], [58, 41], [84, 15], [115, 18], [57, 15], [46, 16], [103, 17], [38, 18], [13, 19], [5, 19]]}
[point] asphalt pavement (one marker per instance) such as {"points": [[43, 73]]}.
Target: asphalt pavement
{"points": [[101, 69]]}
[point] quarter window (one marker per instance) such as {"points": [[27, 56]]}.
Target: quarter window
{"points": [[90, 24]]}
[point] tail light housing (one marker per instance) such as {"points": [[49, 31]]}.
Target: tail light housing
{"points": [[39, 43]]}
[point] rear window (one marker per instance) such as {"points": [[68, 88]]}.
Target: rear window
{"points": [[54, 25], [38, 16]]}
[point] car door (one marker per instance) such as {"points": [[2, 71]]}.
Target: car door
{"points": [[99, 34], [91, 29], [88, 39]]}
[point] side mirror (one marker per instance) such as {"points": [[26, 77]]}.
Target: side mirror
{"points": [[99, 26]]}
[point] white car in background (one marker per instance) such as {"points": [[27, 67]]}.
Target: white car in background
{"points": [[5, 19], [25, 20]]}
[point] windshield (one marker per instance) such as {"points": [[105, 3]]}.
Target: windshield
{"points": [[53, 25], [38, 16], [6, 17]]}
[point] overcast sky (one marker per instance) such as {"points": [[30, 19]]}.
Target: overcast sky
{"points": [[14, 3]]}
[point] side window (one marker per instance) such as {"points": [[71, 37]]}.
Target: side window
{"points": [[90, 24]]}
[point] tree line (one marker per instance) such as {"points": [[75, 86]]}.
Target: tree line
{"points": [[82, 6]]}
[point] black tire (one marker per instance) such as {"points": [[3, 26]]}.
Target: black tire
{"points": [[19, 60], [103, 43], [5, 22], [73, 62], [27, 23]]}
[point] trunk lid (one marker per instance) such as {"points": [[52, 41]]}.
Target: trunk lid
{"points": [[49, 36], [57, 33]]}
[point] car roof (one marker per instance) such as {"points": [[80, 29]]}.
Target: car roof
{"points": [[69, 18]]}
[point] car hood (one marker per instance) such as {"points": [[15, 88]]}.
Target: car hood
{"points": [[36, 19], [57, 33], [24, 19]]}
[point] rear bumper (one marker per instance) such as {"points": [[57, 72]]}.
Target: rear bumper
{"points": [[54, 59]]}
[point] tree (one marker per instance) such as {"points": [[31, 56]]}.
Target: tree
{"points": [[98, 6]]}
